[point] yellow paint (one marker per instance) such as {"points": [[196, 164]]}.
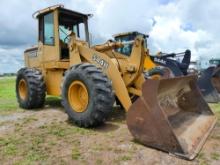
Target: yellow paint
{"points": [[125, 73], [53, 79], [148, 63], [23, 89], [78, 96], [56, 65]]}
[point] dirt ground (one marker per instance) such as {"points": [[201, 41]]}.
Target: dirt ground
{"points": [[46, 136]]}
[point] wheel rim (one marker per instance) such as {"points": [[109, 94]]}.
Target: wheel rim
{"points": [[78, 96], [22, 87]]}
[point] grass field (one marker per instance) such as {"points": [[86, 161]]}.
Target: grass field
{"points": [[8, 101], [47, 137], [7, 94]]}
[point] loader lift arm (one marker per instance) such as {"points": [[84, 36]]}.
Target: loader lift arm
{"points": [[132, 73]]}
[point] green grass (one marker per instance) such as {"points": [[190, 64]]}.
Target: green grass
{"points": [[28, 148], [122, 158], [215, 156], [99, 161], [202, 159], [37, 145], [7, 88], [9, 146], [29, 120], [8, 101], [215, 107], [7, 94], [76, 153], [34, 146], [125, 158], [216, 110]]}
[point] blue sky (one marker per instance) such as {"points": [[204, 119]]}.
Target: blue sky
{"points": [[173, 25], [164, 2]]}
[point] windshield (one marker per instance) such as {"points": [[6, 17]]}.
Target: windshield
{"points": [[126, 49], [128, 44], [68, 24], [64, 32]]}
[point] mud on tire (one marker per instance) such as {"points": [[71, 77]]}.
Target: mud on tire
{"points": [[100, 95], [30, 88]]}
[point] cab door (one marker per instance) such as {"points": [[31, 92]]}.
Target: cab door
{"points": [[48, 37]]}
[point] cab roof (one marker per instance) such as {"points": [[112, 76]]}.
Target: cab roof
{"points": [[61, 8], [129, 33]]}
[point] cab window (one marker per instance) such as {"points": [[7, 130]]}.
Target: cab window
{"points": [[71, 23], [127, 48], [49, 29], [63, 31]]}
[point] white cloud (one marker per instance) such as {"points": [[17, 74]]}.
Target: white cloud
{"points": [[198, 26], [168, 36], [125, 15], [11, 59], [180, 24]]}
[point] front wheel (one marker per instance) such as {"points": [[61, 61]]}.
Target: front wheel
{"points": [[87, 95]]}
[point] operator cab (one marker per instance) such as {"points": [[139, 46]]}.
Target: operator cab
{"points": [[127, 39], [55, 25]]}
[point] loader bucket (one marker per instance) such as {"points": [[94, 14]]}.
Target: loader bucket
{"points": [[171, 115], [207, 86]]}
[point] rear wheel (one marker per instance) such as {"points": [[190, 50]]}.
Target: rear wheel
{"points": [[160, 72], [156, 73], [30, 88], [87, 95]]}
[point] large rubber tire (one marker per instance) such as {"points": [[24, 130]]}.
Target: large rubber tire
{"points": [[159, 73], [100, 95], [35, 88], [156, 72]]}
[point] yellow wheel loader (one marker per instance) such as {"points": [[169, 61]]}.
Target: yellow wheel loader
{"points": [[168, 114]]}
